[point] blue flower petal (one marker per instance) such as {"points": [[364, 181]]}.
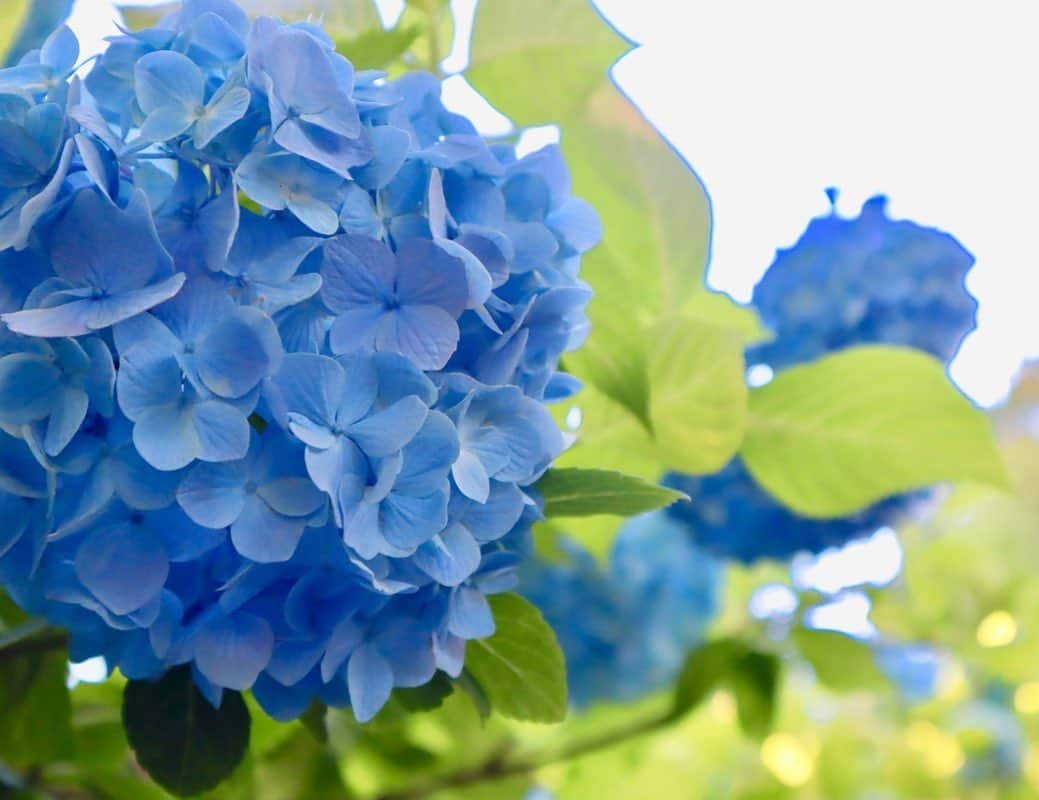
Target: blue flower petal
{"points": [[123, 566], [450, 557], [370, 681], [232, 650]]}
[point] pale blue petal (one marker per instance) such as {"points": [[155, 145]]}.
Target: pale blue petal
{"points": [[30, 386], [65, 420], [221, 113], [450, 557], [165, 437], [293, 497], [239, 352], [356, 328], [390, 147], [309, 385], [469, 614], [357, 271], [317, 215], [146, 380], [166, 123], [430, 276], [231, 651], [427, 335], [264, 536], [222, 431], [370, 681], [166, 79], [389, 430], [123, 566], [213, 495], [408, 522], [471, 476]]}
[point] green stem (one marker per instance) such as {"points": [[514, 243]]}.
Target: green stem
{"points": [[499, 766], [435, 52]]}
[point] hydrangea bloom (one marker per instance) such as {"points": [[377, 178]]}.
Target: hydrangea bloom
{"points": [[290, 446], [626, 630], [846, 282]]}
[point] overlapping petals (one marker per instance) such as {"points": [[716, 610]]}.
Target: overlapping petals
{"points": [[290, 443]]}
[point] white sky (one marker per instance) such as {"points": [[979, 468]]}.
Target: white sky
{"points": [[932, 102]]}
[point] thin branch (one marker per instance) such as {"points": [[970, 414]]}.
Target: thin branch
{"points": [[499, 766]]}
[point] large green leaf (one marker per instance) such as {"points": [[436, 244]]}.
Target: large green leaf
{"points": [[184, 743], [840, 662], [655, 212], [539, 60], [830, 437], [520, 667], [698, 406], [576, 492], [721, 310]]}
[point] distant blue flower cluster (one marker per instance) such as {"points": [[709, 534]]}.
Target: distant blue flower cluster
{"points": [[289, 446], [626, 630], [846, 282]]}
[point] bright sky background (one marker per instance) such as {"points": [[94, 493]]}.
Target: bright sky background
{"points": [[932, 102]]}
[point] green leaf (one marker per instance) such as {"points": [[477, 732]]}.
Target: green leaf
{"points": [[539, 60], [184, 743], [752, 676], [378, 48], [614, 361], [299, 768], [520, 667], [831, 437], [655, 212], [472, 688], [315, 720], [576, 492], [427, 697], [705, 670], [755, 683], [719, 309], [34, 708], [840, 662], [698, 407]]}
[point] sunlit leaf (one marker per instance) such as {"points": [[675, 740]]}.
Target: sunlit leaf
{"points": [[830, 437], [520, 667], [840, 661], [539, 61], [575, 492]]}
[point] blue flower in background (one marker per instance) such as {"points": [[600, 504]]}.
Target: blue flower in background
{"points": [[867, 280], [626, 629], [290, 445]]}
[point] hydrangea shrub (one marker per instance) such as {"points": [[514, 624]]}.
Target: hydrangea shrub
{"points": [[277, 341], [846, 282]]}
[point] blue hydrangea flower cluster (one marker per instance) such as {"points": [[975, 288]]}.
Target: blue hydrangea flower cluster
{"points": [[626, 630], [866, 280], [277, 341]]}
